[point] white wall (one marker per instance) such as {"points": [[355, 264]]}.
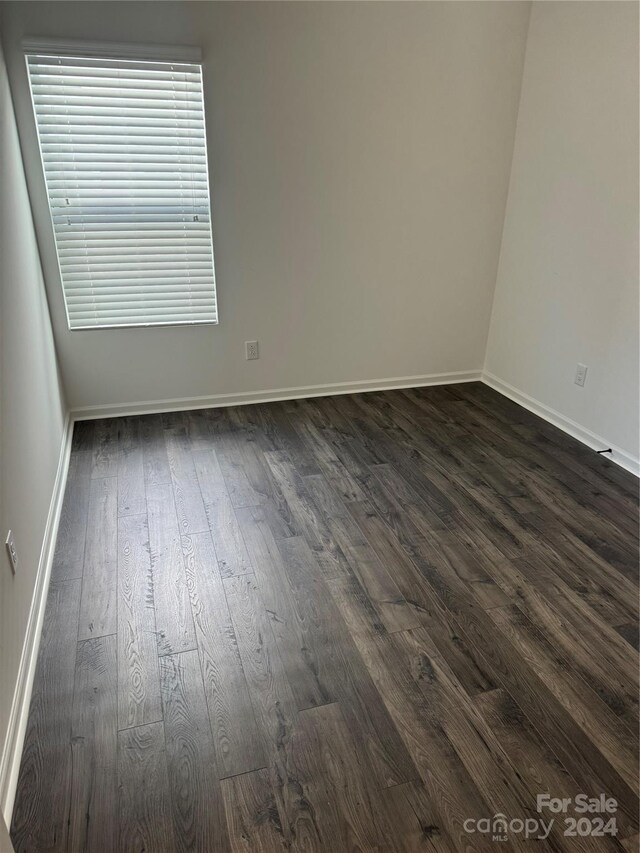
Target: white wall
{"points": [[5, 841], [360, 159], [32, 408], [567, 287]]}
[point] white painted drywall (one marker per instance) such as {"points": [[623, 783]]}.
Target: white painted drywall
{"points": [[5, 841], [32, 408], [359, 156], [567, 287]]}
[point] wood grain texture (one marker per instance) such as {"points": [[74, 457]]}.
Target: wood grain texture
{"points": [[99, 574], [308, 519], [105, 449], [138, 684], [340, 624], [412, 815], [538, 766], [451, 788], [174, 620], [188, 497], [276, 711], [155, 461], [332, 652], [94, 745], [68, 558], [237, 744], [394, 610], [334, 778], [43, 796], [278, 598], [252, 814], [231, 551], [198, 811], [144, 816], [131, 494]]}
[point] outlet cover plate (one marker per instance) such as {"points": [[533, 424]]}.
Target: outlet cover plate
{"points": [[251, 350], [581, 374], [12, 551]]}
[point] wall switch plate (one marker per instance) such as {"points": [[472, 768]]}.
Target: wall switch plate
{"points": [[12, 551], [251, 350], [581, 374]]}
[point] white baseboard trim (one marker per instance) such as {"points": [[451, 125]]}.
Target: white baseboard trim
{"points": [[12, 749], [269, 396], [572, 428]]}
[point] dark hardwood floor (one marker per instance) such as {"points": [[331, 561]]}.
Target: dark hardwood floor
{"points": [[342, 624]]}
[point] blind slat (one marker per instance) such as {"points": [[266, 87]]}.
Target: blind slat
{"points": [[124, 155]]}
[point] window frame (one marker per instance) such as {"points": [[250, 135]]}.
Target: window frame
{"points": [[92, 50]]}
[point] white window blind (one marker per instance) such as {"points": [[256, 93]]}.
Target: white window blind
{"points": [[125, 162]]}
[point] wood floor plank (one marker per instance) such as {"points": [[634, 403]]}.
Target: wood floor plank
{"points": [[154, 451], [594, 529], [232, 466], [546, 444], [264, 486], [588, 574], [340, 668], [99, 574], [202, 425], [277, 422], [299, 663], [414, 820], [94, 746], [331, 466], [473, 740], [131, 493], [308, 519], [43, 795], [437, 552], [253, 819], [138, 682], [396, 613], [551, 717], [144, 806], [540, 769], [276, 710], [629, 632], [603, 728], [231, 550], [196, 798], [451, 790], [418, 592], [594, 650], [174, 621], [466, 500], [105, 449], [342, 787], [476, 631], [68, 558], [237, 743], [189, 505], [502, 780]]}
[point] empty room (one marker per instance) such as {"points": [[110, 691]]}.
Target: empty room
{"points": [[319, 426]]}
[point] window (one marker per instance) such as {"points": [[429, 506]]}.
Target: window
{"points": [[125, 163]]}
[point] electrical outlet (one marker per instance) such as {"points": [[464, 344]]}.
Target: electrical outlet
{"points": [[251, 350], [12, 551], [581, 374]]}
